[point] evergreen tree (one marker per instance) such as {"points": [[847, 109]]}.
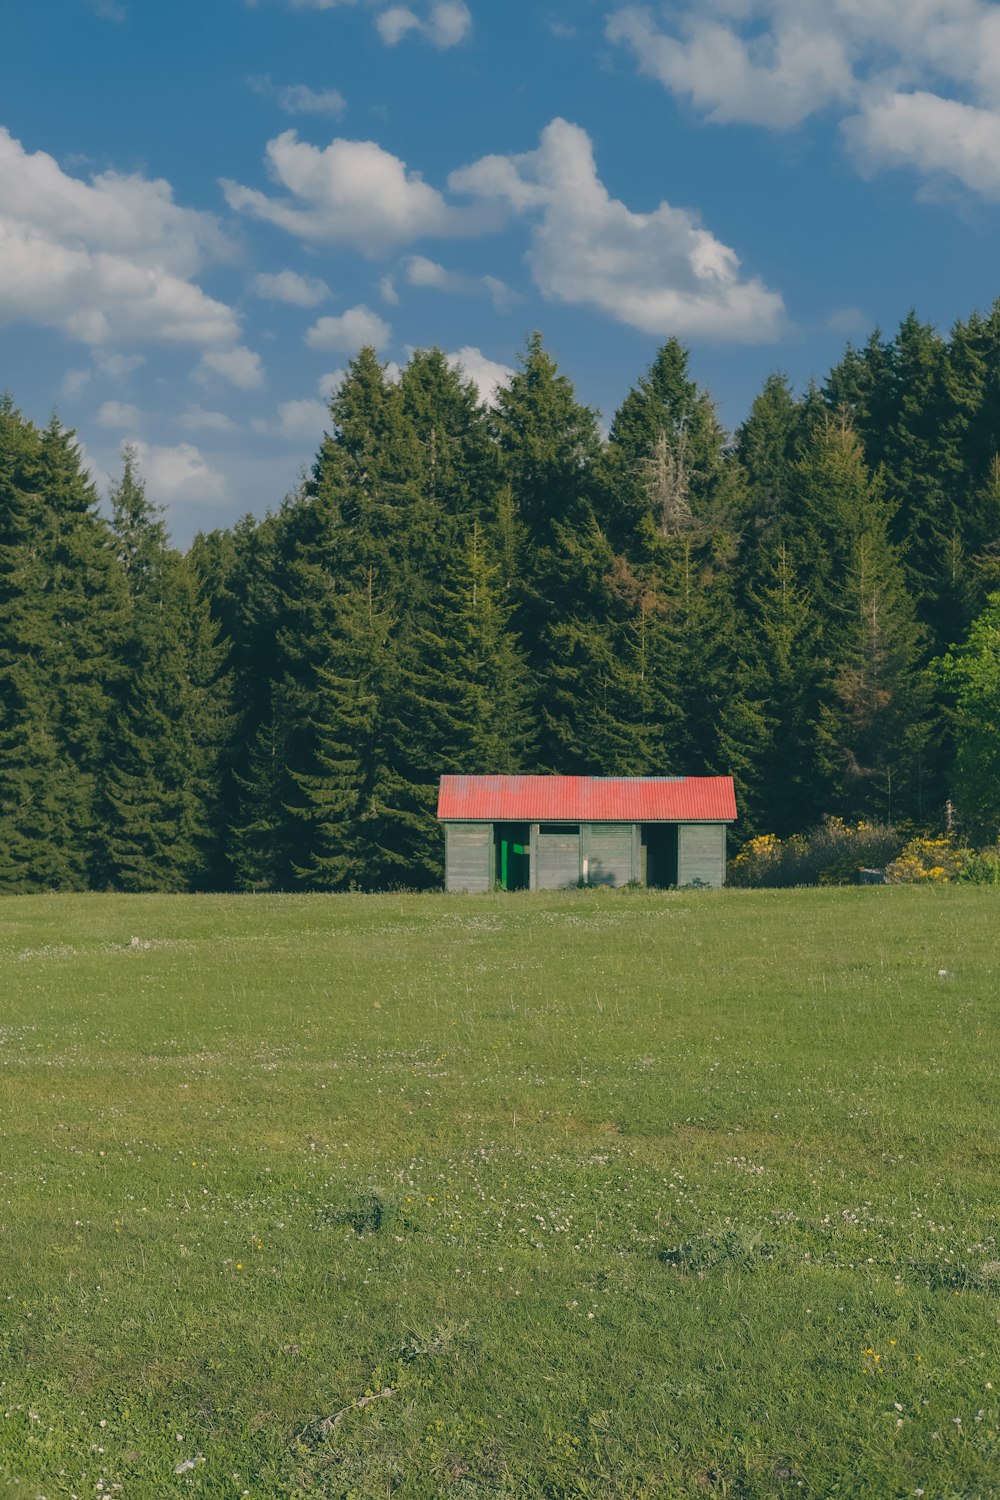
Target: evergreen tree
{"points": [[790, 673], [666, 454], [160, 782], [60, 613], [873, 727], [970, 674]]}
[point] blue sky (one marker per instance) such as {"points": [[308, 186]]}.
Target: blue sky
{"points": [[206, 208]]}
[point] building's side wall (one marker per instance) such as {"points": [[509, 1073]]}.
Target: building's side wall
{"points": [[701, 854], [557, 861], [606, 853], [468, 857]]}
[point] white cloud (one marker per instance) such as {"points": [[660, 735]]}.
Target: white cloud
{"points": [[198, 419], [350, 331], [241, 367], [289, 286], [387, 291], [934, 135], [420, 271], [661, 272], [299, 98], [109, 10], [445, 23], [119, 414], [298, 421], [328, 385], [487, 374], [75, 382], [917, 84], [848, 320], [776, 80], [104, 261], [117, 366], [179, 475], [351, 193]]}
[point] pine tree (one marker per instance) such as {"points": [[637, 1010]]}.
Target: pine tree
{"points": [[356, 807], [970, 675], [790, 673], [60, 612], [873, 727], [548, 445], [161, 779], [666, 453]]}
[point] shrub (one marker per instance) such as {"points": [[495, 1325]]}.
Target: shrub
{"points": [[928, 861], [833, 854], [981, 866]]}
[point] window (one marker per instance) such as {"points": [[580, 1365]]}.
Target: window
{"points": [[563, 829]]}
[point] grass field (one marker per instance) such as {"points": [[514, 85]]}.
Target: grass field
{"points": [[597, 1194]]}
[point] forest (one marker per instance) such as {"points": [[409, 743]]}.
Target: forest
{"points": [[811, 604]]}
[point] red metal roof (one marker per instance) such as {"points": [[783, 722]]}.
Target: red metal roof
{"points": [[587, 799]]}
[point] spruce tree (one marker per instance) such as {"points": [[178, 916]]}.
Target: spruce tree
{"points": [[970, 675], [161, 779]]}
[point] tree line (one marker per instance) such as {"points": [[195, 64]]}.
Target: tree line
{"points": [[809, 606]]}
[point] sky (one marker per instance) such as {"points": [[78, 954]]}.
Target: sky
{"points": [[207, 208]]}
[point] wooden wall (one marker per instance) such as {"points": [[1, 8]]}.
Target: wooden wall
{"points": [[468, 857], [701, 855], [608, 853], [556, 859], [611, 851]]}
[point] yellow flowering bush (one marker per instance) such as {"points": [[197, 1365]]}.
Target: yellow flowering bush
{"points": [[928, 861], [832, 854]]}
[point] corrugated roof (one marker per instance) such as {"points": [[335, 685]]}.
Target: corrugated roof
{"points": [[587, 799]]}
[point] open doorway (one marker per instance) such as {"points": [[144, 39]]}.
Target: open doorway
{"points": [[512, 851], [659, 854]]}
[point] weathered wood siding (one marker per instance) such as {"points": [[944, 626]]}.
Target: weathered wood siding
{"points": [[701, 855], [558, 861], [606, 849], [468, 857]]}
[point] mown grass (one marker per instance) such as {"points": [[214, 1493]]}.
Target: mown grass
{"points": [[603, 1194]]}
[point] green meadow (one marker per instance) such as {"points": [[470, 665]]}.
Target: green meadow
{"points": [[586, 1195]]}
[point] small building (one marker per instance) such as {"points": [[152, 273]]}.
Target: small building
{"points": [[544, 833]]}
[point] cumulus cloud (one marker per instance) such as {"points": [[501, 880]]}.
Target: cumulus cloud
{"points": [[916, 85], [939, 137], [289, 286], [198, 419], [109, 10], [329, 384], [240, 366], [119, 414], [298, 421], [420, 271], [299, 98], [75, 382], [179, 475], [104, 261], [350, 331], [661, 272], [445, 23], [351, 193], [485, 373], [117, 366], [776, 80]]}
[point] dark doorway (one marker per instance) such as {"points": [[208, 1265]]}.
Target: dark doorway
{"points": [[659, 854], [512, 848]]}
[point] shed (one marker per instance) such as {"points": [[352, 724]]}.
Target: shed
{"points": [[544, 833]]}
